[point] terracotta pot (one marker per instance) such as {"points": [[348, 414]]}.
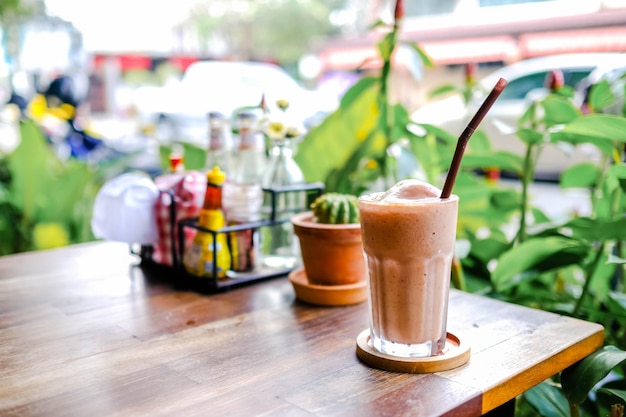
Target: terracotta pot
{"points": [[332, 253]]}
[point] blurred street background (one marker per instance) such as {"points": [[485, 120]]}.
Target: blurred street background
{"points": [[124, 56], [113, 48]]}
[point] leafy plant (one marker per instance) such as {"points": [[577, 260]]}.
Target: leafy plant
{"points": [[356, 139], [574, 267], [46, 202], [514, 251]]}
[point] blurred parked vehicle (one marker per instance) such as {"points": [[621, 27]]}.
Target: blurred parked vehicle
{"points": [[614, 74], [180, 110], [526, 82]]}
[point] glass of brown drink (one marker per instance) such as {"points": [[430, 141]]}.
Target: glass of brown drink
{"points": [[409, 235]]}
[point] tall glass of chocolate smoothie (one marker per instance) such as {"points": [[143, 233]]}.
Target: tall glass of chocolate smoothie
{"points": [[409, 235]]}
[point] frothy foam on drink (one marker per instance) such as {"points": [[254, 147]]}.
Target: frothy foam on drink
{"points": [[406, 191]]}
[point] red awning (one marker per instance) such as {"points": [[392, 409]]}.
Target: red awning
{"points": [[610, 39], [125, 62], [506, 48], [182, 62], [444, 52], [348, 58], [462, 51]]}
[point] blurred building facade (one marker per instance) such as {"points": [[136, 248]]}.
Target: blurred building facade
{"points": [[490, 33], [462, 31], [452, 32]]}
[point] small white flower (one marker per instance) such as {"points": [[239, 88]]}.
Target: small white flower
{"points": [[276, 129], [293, 132], [282, 104], [279, 126]]}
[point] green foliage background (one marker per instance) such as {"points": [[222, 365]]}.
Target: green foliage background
{"points": [[37, 189]]}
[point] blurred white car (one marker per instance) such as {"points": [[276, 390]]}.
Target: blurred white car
{"points": [[614, 74], [180, 109], [525, 83]]}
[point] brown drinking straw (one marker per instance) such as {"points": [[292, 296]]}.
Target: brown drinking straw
{"points": [[467, 133]]}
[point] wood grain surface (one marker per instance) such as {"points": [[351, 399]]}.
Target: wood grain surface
{"points": [[85, 331]]}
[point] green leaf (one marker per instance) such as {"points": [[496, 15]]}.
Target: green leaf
{"points": [[194, 156], [598, 126], [69, 186], [425, 150], [619, 393], [426, 60], [606, 146], [559, 110], [595, 229], [480, 144], [338, 136], [506, 200], [601, 278], [399, 121], [580, 378], [46, 189], [503, 160], [566, 91], [386, 46], [33, 165], [528, 117], [548, 400], [616, 303], [378, 24], [439, 133], [363, 86], [489, 248], [442, 90], [600, 96], [474, 207], [617, 174], [342, 179], [585, 174], [530, 136], [539, 216], [537, 255]]}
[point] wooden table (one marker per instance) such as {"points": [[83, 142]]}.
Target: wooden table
{"points": [[84, 332]]}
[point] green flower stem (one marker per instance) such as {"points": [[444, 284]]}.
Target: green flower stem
{"points": [[387, 122], [530, 161], [621, 269], [596, 261], [588, 277], [527, 177], [617, 194], [620, 249], [594, 188]]}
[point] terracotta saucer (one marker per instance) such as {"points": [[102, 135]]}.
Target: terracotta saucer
{"points": [[454, 355], [326, 295]]}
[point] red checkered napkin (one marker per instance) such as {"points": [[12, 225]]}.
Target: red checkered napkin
{"points": [[186, 193]]}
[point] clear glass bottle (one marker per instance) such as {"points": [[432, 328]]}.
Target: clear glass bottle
{"points": [[279, 245], [243, 196], [218, 150]]}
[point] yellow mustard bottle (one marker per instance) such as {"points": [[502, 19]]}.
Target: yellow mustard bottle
{"points": [[209, 256]]}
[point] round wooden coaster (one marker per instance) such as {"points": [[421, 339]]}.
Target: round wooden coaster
{"points": [[454, 354], [326, 295]]}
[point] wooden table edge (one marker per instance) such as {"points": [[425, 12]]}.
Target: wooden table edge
{"points": [[520, 383]]}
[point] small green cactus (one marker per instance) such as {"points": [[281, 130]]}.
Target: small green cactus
{"points": [[336, 208]]}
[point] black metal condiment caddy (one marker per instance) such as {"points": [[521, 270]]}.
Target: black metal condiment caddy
{"points": [[177, 273]]}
